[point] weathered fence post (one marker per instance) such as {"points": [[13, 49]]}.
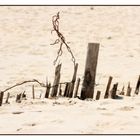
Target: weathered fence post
{"points": [[98, 95], [1, 97], [7, 98], [122, 92], [56, 81], [128, 93], [68, 89], [60, 91], [33, 91], [73, 81], [65, 91], [77, 87], [108, 87], [113, 91], [47, 90], [18, 98], [90, 71], [137, 86]]}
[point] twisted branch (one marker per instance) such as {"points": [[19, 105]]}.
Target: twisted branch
{"points": [[28, 81], [61, 39]]}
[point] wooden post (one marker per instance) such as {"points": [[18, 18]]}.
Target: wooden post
{"points": [[7, 98], [48, 90], [122, 92], [90, 71], [66, 88], [128, 93], [56, 81], [18, 98], [1, 98], [77, 87], [137, 86], [108, 87], [113, 91], [60, 91], [33, 91], [24, 96], [98, 95], [73, 81]]}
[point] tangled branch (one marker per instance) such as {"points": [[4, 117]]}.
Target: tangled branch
{"points": [[31, 81], [61, 39], [28, 81]]}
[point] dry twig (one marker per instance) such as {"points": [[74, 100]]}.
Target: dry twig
{"points": [[61, 39]]}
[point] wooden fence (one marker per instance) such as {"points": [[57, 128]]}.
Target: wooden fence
{"points": [[72, 87]]}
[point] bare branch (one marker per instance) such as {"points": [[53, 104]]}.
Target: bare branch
{"points": [[28, 81], [61, 39]]}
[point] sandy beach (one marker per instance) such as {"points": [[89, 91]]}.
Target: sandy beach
{"points": [[26, 53]]}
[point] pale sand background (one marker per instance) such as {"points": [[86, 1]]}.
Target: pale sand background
{"points": [[25, 53]]}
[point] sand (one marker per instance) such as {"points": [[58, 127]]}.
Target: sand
{"points": [[26, 53]]}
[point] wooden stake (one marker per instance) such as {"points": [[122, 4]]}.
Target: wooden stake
{"points": [[60, 91], [73, 81], [7, 98], [48, 90], [1, 98], [128, 93], [18, 98], [66, 88], [33, 91], [98, 95], [90, 71], [108, 87], [56, 81], [113, 91], [122, 92], [137, 86], [77, 87]]}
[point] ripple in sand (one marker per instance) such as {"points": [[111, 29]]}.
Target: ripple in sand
{"points": [[126, 108]]}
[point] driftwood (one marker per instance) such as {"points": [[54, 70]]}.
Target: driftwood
{"points": [[108, 87], [90, 71]]}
